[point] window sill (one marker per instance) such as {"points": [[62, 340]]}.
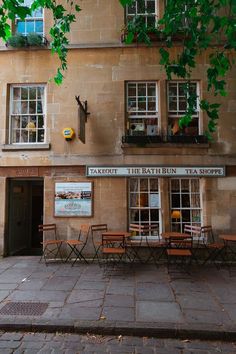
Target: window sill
{"points": [[17, 147]]}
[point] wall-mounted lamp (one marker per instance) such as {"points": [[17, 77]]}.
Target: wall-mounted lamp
{"points": [[68, 134]]}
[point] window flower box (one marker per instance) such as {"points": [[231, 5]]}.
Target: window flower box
{"points": [[141, 139]]}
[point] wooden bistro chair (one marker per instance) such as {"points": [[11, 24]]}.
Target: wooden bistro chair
{"points": [[96, 232], [155, 243], [135, 242], [77, 246], [113, 250], [179, 250], [213, 248], [51, 246], [198, 242]]}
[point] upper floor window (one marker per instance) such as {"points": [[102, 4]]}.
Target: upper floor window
{"points": [[177, 106], [27, 114], [145, 9], [142, 108], [31, 24]]}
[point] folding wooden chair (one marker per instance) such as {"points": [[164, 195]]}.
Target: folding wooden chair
{"points": [[214, 249], [156, 245], [52, 246], [113, 250], [135, 242], [179, 250], [198, 242], [96, 231], [77, 246]]}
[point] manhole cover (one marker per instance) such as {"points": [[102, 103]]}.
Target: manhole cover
{"points": [[24, 308]]}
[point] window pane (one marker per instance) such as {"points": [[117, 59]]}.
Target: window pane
{"points": [[172, 89], [39, 27], [20, 27], [144, 200], [24, 93], [24, 107], [153, 184], [32, 93], [151, 105], [175, 201], [32, 107], [133, 184], [142, 104], [39, 107], [175, 185], [185, 185], [151, 90], [144, 184], [41, 136], [142, 90], [185, 200], [40, 122], [150, 6], [30, 27]]}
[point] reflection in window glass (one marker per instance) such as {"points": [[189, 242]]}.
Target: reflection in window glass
{"points": [[144, 202], [177, 106], [185, 206], [33, 23], [27, 125]]}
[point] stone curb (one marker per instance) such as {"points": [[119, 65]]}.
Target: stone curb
{"points": [[199, 332]]}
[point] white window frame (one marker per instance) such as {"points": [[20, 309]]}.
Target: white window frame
{"points": [[30, 18], [27, 131], [139, 208], [178, 113], [145, 14], [176, 222], [139, 118]]}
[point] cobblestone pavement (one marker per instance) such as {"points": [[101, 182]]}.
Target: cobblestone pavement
{"points": [[48, 343], [138, 300]]}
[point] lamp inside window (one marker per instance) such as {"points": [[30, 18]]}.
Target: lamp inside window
{"points": [[176, 214]]}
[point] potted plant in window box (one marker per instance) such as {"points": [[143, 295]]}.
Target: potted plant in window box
{"points": [[187, 139], [31, 40], [17, 41], [141, 140], [136, 30]]}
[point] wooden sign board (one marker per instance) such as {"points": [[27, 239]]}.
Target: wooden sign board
{"points": [[82, 121]]}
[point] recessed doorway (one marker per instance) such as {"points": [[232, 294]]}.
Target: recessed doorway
{"points": [[25, 213]]}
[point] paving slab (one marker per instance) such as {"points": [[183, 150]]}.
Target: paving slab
{"points": [[142, 299]]}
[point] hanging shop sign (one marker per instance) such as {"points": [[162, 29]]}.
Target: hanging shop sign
{"points": [[157, 171]]}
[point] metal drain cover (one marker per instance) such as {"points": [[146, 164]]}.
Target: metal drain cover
{"points": [[24, 308]]}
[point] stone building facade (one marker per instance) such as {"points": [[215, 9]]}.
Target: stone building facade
{"points": [[134, 165]]}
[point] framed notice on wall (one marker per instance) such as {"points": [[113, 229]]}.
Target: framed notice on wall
{"points": [[73, 199]]}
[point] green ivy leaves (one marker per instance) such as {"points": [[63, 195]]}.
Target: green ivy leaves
{"points": [[201, 25]]}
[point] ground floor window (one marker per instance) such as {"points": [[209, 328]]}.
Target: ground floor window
{"points": [[144, 201], [185, 206], [181, 199]]}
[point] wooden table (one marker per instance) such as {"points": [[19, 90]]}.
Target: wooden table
{"points": [[228, 238], [175, 234], [117, 233]]}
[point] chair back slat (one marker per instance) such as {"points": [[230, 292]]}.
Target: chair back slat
{"points": [[207, 233], [50, 229], [47, 227], [99, 227]]}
